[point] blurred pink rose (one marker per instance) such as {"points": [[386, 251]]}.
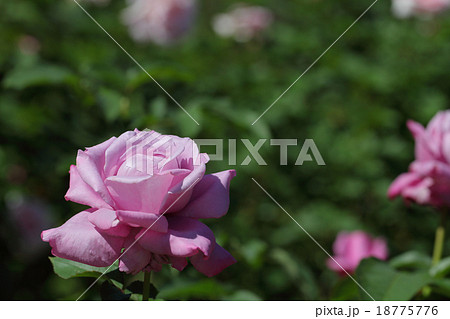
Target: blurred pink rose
{"points": [[242, 23], [28, 216], [29, 45], [351, 248], [160, 21], [407, 8], [428, 179], [129, 182]]}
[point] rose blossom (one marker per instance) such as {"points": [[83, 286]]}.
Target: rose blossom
{"points": [[160, 21], [29, 45], [242, 23], [351, 248], [28, 216], [428, 179], [141, 180], [407, 8]]}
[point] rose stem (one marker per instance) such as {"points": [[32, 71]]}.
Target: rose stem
{"points": [[439, 240], [147, 283]]}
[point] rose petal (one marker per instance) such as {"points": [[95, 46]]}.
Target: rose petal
{"points": [[145, 143], [423, 151], [358, 247], [337, 263], [214, 264], [415, 128], [379, 249], [419, 192], [82, 193], [401, 183], [139, 193], [157, 223], [148, 153], [351, 248], [210, 198], [190, 156], [115, 151], [135, 258], [439, 122], [90, 167], [340, 244], [179, 263], [433, 169], [446, 147], [185, 237], [106, 220], [79, 240], [183, 186]]}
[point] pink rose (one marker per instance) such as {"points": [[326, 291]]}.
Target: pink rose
{"points": [[428, 179], [432, 6], [28, 216], [351, 248], [135, 181], [242, 23], [160, 21], [407, 8]]}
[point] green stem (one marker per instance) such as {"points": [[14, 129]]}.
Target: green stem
{"points": [[147, 283], [439, 240]]}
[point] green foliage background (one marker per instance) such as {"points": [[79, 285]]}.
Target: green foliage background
{"points": [[80, 89]]}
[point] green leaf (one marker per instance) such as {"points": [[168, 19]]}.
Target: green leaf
{"points": [[206, 289], [253, 251], [411, 260], [24, 77], [441, 269], [441, 287], [66, 269], [158, 107], [384, 283], [287, 261], [111, 103], [345, 289], [243, 295], [137, 287], [298, 273], [185, 124]]}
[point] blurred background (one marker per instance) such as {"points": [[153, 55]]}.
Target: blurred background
{"points": [[65, 85]]}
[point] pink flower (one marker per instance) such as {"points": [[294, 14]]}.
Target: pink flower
{"points": [[407, 8], [29, 45], [242, 23], [351, 248], [160, 21], [141, 180], [28, 216], [428, 179]]}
